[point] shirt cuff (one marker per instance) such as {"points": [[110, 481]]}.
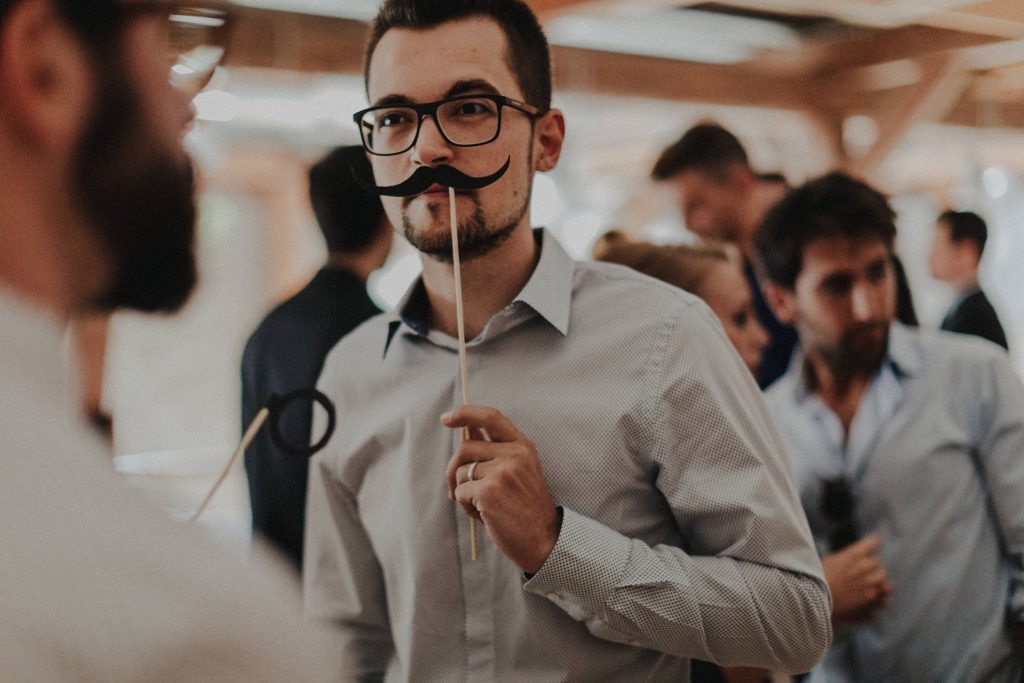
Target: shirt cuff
{"points": [[584, 568]]}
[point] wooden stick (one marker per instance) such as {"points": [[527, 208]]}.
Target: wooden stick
{"points": [[250, 434], [461, 325]]}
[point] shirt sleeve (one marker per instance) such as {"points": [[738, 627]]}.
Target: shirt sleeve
{"points": [[747, 586], [343, 583], [1000, 450]]}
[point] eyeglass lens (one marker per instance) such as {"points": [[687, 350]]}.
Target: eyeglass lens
{"points": [[463, 121], [196, 44]]}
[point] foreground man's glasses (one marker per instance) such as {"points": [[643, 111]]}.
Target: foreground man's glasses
{"points": [[195, 40], [464, 121]]}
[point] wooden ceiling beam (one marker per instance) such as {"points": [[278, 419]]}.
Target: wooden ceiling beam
{"points": [[874, 47], [593, 71], [548, 9], [940, 88], [297, 42]]}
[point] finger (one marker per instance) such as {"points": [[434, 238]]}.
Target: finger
{"points": [[477, 468], [876, 578], [869, 545], [467, 495], [491, 420], [473, 451]]}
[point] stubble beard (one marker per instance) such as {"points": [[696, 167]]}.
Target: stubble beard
{"points": [[477, 235], [848, 359]]}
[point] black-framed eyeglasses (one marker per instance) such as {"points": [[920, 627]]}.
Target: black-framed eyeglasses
{"points": [[464, 121], [196, 39]]}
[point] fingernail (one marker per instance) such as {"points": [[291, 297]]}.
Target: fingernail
{"points": [[446, 416]]}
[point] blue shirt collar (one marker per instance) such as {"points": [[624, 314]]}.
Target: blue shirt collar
{"points": [[903, 356], [548, 293]]}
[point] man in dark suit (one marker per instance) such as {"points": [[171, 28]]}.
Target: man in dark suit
{"points": [[959, 241], [287, 350]]}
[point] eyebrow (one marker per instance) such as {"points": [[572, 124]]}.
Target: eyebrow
{"points": [[474, 85]]}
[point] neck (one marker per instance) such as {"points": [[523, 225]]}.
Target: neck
{"points": [[763, 196], [840, 389], [966, 283], [489, 283]]}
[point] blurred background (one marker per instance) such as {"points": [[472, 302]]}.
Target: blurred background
{"points": [[924, 98]]}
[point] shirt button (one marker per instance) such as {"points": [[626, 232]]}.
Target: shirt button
{"points": [[635, 643]]}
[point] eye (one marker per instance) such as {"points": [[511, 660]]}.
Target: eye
{"points": [[837, 285], [741, 319], [473, 108], [395, 117], [877, 271]]}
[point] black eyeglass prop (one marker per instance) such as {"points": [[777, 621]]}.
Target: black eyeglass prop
{"points": [[425, 176], [273, 410]]}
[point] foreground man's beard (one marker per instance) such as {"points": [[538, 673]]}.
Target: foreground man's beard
{"points": [[139, 199]]}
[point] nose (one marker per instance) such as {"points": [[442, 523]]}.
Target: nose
{"points": [[431, 148], [866, 302]]}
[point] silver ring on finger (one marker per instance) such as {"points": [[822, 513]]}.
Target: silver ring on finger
{"points": [[472, 469]]}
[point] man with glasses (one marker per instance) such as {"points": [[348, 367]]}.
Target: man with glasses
{"points": [[98, 213], [635, 500], [906, 446]]}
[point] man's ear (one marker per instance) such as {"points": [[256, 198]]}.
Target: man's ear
{"points": [[45, 79], [782, 301], [549, 134], [741, 178]]}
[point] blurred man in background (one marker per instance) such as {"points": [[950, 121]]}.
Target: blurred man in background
{"points": [[723, 199], [956, 251], [98, 213], [906, 446], [287, 350]]}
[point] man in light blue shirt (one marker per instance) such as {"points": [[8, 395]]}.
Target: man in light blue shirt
{"points": [[908, 451]]}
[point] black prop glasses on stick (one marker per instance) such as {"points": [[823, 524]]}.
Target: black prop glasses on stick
{"points": [[274, 410]]}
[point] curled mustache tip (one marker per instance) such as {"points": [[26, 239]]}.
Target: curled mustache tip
{"points": [[425, 176]]}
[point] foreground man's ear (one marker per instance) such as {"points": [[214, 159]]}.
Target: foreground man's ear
{"points": [[45, 76], [549, 134]]}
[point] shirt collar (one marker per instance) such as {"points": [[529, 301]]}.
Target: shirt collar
{"points": [[548, 293], [903, 356]]}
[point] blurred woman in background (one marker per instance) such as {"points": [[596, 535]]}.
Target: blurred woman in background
{"points": [[708, 272]]}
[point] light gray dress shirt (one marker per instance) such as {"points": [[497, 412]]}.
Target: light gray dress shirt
{"points": [[95, 583], [682, 535], [935, 459]]}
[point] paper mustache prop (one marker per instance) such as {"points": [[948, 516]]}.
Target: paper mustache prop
{"points": [[426, 176], [273, 410]]}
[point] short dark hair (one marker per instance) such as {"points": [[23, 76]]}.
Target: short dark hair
{"points": [[707, 147], [966, 225], [834, 205], [349, 216], [528, 55]]}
